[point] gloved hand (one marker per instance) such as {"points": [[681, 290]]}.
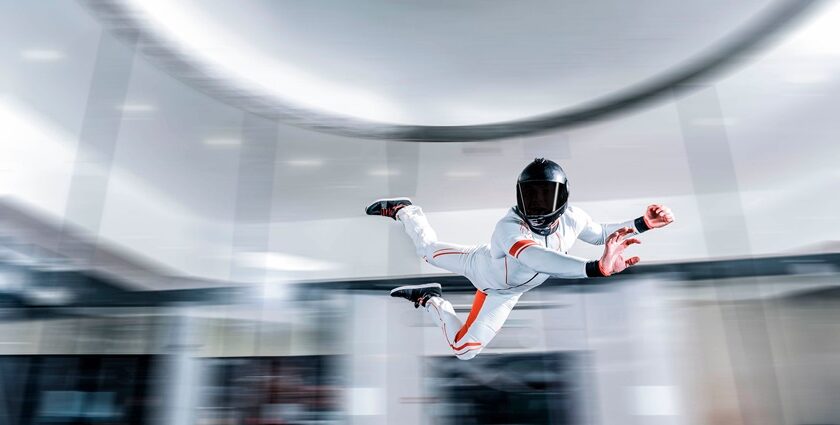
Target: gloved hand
{"points": [[612, 261]]}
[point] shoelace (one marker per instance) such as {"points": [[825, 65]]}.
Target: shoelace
{"points": [[422, 301], [391, 211]]}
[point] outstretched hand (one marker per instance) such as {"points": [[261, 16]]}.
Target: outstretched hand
{"points": [[657, 216], [613, 261]]}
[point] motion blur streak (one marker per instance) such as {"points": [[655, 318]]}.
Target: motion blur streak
{"points": [[183, 238]]}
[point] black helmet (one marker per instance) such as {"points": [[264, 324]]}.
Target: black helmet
{"points": [[542, 194]]}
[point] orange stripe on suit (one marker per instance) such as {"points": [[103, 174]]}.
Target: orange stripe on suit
{"points": [[478, 301], [519, 246]]}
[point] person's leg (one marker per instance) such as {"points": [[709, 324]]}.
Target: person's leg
{"points": [[450, 257], [488, 314]]}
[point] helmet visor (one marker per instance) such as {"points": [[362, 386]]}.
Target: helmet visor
{"points": [[541, 197]]}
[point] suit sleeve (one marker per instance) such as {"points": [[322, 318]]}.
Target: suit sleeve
{"points": [[550, 262], [597, 233]]}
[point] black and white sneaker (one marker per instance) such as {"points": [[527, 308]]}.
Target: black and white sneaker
{"points": [[387, 207], [419, 294]]}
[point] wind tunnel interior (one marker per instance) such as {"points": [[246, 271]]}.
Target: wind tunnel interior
{"points": [[183, 238]]}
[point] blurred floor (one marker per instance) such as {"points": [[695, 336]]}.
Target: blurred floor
{"points": [[645, 350]]}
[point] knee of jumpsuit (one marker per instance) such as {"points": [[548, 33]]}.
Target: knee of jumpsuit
{"points": [[469, 354], [474, 341], [426, 251], [424, 245]]}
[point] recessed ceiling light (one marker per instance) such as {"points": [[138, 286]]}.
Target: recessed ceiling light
{"points": [[136, 107], [463, 174], [305, 162], [41, 55], [381, 172], [714, 122], [222, 142], [814, 77]]}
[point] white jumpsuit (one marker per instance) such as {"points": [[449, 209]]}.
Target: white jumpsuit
{"points": [[515, 261]]}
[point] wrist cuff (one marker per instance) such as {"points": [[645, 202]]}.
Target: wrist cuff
{"points": [[640, 224], [593, 269]]}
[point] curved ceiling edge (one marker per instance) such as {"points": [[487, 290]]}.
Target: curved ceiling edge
{"points": [[121, 21]]}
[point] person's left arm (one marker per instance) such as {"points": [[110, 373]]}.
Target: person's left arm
{"points": [[655, 216]]}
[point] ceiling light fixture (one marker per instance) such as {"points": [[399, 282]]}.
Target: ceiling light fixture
{"points": [[808, 77], [41, 55], [382, 172], [714, 122], [136, 107], [302, 162], [222, 142]]}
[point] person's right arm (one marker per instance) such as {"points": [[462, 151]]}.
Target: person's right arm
{"points": [[543, 260], [554, 263]]}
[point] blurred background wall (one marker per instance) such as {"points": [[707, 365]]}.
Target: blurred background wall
{"points": [[182, 183]]}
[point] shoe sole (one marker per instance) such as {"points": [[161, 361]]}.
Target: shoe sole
{"points": [[426, 285]]}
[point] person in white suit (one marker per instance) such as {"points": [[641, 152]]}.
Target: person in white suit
{"points": [[529, 244]]}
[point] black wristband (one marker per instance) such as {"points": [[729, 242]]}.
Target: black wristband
{"points": [[640, 224], [593, 269]]}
